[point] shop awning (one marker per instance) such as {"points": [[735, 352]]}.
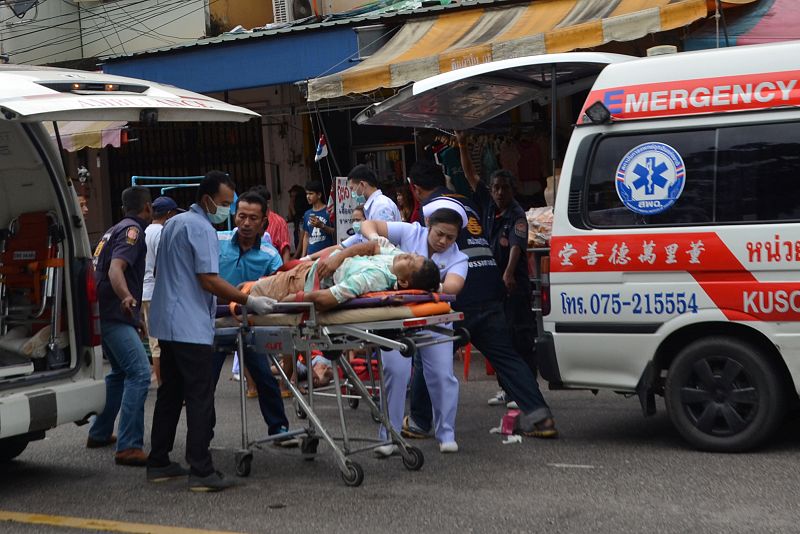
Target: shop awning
{"points": [[76, 135], [428, 46], [767, 21]]}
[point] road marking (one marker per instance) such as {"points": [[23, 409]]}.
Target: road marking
{"points": [[100, 524], [572, 466]]}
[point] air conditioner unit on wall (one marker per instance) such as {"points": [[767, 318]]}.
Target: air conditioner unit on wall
{"points": [[289, 10]]}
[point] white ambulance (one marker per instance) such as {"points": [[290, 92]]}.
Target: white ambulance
{"points": [[675, 257], [50, 372]]}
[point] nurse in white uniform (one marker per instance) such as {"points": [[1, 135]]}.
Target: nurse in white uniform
{"points": [[444, 218]]}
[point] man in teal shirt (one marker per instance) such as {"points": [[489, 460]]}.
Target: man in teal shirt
{"points": [[244, 257]]}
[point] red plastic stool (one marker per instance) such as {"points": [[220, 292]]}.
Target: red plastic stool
{"points": [[468, 361]]}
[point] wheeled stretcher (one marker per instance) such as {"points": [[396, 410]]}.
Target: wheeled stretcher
{"points": [[298, 328]]}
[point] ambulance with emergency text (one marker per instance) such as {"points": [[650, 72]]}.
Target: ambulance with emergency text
{"points": [[674, 265]]}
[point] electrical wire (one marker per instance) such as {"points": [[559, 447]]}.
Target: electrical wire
{"points": [[166, 8], [77, 34]]}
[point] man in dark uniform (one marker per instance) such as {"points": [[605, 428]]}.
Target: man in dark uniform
{"points": [[481, 303], [119, 271], [504, 222]]}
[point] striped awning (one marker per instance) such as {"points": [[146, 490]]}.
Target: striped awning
{"points": [[76, 135], [428, 46]]}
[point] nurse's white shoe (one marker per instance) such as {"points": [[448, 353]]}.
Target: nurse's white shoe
{"points": [[448, 447], [384, 451]]}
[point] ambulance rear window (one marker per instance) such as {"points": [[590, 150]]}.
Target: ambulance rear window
{"points": [[737, 174]]}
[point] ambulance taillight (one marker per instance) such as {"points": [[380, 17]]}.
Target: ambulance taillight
{"points": [[93, 311], [544, 270]]}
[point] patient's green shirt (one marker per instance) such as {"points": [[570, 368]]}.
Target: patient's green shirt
{"points": [[359, 275]]}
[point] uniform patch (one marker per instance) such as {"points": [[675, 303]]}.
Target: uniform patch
{"points": [[132, 235], [503, 242], [100, 246], [473, 226], [521, 229]]}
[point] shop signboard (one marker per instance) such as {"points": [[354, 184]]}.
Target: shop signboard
{"points": [[344, 210]]}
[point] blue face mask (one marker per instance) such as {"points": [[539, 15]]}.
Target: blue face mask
{"points": [[356, 227], [221, 215], [358, 199]]}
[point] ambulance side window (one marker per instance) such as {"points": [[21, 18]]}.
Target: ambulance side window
{"points": [[759, 168], [695, 204]]}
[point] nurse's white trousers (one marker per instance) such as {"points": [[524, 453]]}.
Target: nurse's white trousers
{"points": [[437, 366]]}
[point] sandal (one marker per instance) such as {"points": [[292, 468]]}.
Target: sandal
{"points": [[544, 430]]}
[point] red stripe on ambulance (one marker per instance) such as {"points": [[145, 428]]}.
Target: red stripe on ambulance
{"points": [[732, 288], [704, 95]]}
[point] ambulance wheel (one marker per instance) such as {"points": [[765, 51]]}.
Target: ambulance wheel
{"points": [[415, 459], [12, 447], [724, 394], [353, 476], [410, 346], [243, 464], [353, 403]]}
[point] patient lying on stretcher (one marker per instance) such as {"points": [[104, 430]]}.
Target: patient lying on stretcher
{"points": [[376, 269]]}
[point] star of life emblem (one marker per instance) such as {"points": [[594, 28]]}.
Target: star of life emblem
{"points": [[650, 178]]}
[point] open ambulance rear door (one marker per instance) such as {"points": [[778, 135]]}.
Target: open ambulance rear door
{"points": [[464, 98]]}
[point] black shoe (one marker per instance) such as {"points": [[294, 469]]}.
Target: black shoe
{"points": [[98, 443], [216, 481], [168, 472]]}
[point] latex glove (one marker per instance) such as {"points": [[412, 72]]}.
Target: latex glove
{"points": [[382, 241], [260, 305]]}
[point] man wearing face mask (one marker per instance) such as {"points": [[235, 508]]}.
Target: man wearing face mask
{"points": [[182, 319], [363, 185]]}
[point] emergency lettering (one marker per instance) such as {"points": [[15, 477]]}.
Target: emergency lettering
{"points": [[686, 97]]}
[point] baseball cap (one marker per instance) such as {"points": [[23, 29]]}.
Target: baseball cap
{"points": [[164, 205]]}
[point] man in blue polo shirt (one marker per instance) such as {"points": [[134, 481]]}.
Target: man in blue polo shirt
{"points": [[182, 319], [243, 257]]}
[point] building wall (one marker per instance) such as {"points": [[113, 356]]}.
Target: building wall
{"points": [[128, 26], [49, 32], [247, 13], [57, 31]]}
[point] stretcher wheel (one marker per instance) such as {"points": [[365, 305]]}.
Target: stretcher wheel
{"points": [[353, 403], [308, 447], [415, 459], [376, 416], [354, 474], [243, 464], [410, 346], [300, 413]]}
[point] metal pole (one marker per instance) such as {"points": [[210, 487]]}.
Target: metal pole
{"points": [[553, 117]]}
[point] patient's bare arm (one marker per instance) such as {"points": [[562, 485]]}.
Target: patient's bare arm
{"points": [[323, 300], [329, 265]]}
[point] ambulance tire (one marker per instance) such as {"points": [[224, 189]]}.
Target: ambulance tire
{"points": [[724, 395], [12, 447]]}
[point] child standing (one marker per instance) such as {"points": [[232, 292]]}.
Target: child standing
{"points": [[318, 234]]}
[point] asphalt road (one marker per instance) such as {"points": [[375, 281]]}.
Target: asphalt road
{"points": [[611, 471]]}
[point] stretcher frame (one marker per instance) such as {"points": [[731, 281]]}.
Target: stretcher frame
{"points": [[311, 335]]}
